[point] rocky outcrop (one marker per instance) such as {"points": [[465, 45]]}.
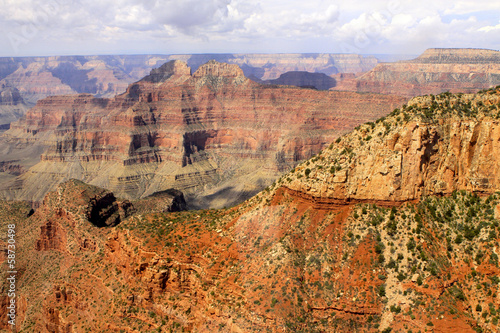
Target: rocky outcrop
{"points": [[52, 234], [12, 106], [39, 77], [105, 211], [96, 205], [11, 167], [167, 70], [209, 130], [318, 81], [72, 203], [434, 72], [170, 200], [214, 68], [435, 145], [370, 256]]}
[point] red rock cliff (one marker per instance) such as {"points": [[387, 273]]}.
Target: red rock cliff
{"points": [[433, 146], [174, 129]]}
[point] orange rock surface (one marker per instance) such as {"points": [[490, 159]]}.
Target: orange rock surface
{"points": [[174, 129], [451, 145]]}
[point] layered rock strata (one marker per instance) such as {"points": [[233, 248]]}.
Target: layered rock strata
{"points": [[434, 72], [214, 130], [106, 76], [434, 145]]}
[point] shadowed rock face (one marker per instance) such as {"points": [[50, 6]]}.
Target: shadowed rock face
{"points": [[170, 200], [318, 81], [434, 72], [76, 203], [96, 205], [202, 133], [105, 76], [12, 106], [10, 96]]}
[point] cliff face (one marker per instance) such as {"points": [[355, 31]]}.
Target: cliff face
{"points": [[106, 76], [434, 72], [318, 81], [433, 146], [292, 258], [173, 129], [34, 78], [12, 106]]}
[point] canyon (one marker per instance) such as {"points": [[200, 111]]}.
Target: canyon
{"points": [[106, 76], [36, 78], [336, 211], [213, 134], [433, 72], [391, 227]]}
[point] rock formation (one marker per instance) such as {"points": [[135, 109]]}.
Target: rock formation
{"points": [[170, 200], [12, 106], [435, 145], [296, 257], [214, 134], [106, 76], [434, 72], [318, 81]]}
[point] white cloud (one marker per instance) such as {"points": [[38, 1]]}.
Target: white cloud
{"points": [[490, 28], [98, 26], [466, 7]]}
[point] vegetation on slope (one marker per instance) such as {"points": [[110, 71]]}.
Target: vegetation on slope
{"points": [[284, 260]]}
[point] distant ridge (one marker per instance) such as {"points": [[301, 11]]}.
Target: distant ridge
{"points": [[457, 55], [433, 72]]}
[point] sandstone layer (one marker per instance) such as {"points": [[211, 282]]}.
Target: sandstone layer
{"points": [[214, 133], [435, 145], [434, 72], [106, 76], [290, 259]]}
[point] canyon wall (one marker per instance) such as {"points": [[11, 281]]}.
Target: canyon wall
{"points": [[392, 227], [213, 132], [433, 72], [434, 145], [106, 76]]}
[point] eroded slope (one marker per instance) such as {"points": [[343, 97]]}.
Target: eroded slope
{"points": [[290, 259]]}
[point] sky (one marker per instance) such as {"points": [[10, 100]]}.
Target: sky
{"points": [[78, 27]]}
